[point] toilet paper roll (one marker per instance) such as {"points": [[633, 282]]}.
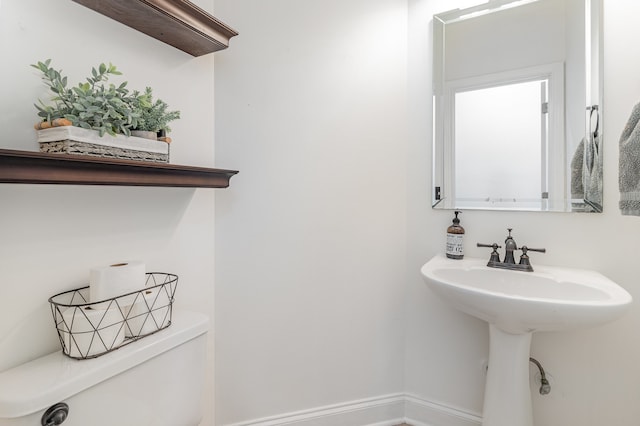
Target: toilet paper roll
{"points": [[111, 281], [89, 331], [149, 313]]}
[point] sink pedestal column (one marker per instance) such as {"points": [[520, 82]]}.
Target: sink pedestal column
{"points": [[507, 395]]}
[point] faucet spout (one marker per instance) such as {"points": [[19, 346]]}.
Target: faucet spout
{"points": [[509, 247]]}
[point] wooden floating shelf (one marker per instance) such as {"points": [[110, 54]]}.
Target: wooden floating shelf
{"points": [[179, 23], [63, 169]]}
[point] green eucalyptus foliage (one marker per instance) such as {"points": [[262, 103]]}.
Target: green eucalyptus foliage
{"points": [[98, 105], [153, 114]]}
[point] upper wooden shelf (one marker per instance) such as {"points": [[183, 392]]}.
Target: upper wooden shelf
{"points": [[37, 167], [179, 23]]}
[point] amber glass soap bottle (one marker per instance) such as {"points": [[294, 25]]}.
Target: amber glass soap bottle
{"points": [[455, 236]]}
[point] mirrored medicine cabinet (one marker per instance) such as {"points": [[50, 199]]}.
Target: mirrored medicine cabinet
{"points": [[517, 91]]}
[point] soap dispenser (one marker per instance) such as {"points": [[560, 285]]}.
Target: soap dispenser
{"points": [[455, 235]]}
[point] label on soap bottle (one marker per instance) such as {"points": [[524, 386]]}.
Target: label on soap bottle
{"points": [[455, 248]]}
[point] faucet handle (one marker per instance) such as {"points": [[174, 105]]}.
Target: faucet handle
{"points": [[525, 249], [493, 246], [495, 257], [524, 259]]}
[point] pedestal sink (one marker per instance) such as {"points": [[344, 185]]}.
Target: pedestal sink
{"points": [[516, 304]]}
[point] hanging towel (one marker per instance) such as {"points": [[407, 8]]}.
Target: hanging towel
{"points": [[586, 169], [592, 173], [629, 164], [577, 188]]}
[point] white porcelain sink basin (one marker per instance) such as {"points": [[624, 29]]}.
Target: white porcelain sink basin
{"points": [[550, 298], [515, 304]]}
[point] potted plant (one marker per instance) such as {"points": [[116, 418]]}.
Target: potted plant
{"points": [[152, 117], [96, 117]]}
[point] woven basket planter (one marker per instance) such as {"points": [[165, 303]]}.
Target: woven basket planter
{"points": [[79, 141]]}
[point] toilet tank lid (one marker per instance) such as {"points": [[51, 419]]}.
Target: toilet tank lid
{"points": [[45, 381]]}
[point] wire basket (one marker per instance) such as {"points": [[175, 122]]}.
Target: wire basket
{"points": [[90, 329]]}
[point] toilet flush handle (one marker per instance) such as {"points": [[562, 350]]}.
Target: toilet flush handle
{"points": [[55, 415]]}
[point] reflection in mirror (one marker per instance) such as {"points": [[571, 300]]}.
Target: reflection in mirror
{"points": [[515, 110], [517, 89]]}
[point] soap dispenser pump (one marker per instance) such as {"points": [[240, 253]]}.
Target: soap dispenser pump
{"points": [[455, 235]]}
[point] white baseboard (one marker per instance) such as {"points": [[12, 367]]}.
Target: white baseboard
{"points": [[422, 412], [387, 410]]}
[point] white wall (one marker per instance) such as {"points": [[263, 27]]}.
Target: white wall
{"points": [[52, 235], [310, 240]]}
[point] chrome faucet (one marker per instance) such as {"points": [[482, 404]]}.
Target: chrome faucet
{"points": [[509, 261]]}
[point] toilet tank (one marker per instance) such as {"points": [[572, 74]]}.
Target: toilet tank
{"points": [[157, 381]]}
